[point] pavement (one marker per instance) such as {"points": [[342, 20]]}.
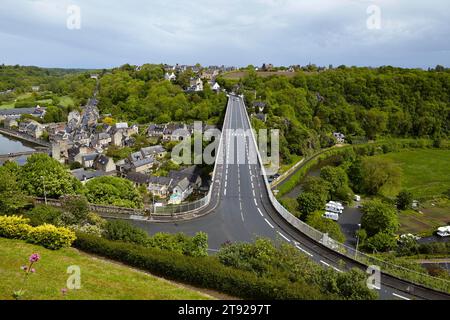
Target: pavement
{"points": [[240, 210]]}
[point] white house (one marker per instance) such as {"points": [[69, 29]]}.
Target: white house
{"points": [[215, 87], [170, 77], [340, 137]]}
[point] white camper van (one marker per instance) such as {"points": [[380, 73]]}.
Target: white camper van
{"points": [[331, 215], [444, 231]]}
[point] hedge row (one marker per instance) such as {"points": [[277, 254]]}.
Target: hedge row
{"points": [[204, 272], [47, 235]]}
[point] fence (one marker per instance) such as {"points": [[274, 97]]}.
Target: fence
{"points": [[388, 268]]}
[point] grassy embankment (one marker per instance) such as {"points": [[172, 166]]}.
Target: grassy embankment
{"points": [[100, 279]]}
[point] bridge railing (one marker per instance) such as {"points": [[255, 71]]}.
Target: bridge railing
{"points": [[407, 274]]}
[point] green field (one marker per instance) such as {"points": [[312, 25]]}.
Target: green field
{"points": [[65, 101], [100, 279], [426, 172], [433, 215]]}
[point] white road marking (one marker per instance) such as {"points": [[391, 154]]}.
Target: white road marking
{"points": [[323, 262], [336, 269], [303, 250], [254, 193], [269, 223], [284, 237], [256, 203], [375, 287], [260, 212], [399, 296]]}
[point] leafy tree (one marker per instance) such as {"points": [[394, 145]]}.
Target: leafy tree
{"points": [[381, 242], [404, 200], [379, 217], [324, 225], [318, 186], [12, 198], [113, 191], [42, 170], [379, 172], [335, 176], [75, 210], [308, 203]]}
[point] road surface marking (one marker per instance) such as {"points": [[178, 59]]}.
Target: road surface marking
{"points": [[375, 287], [254, 195], [323, 262], [284, 237], [256, 203], [399, 296], [336, 269], [303, 250], [260, 212], [269, 223]]}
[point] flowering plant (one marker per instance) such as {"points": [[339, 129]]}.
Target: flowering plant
{"points": [[28, 269]]}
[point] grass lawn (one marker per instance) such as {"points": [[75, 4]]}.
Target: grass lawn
{"points": [[66, 101], [100, 279], [426, 173]]}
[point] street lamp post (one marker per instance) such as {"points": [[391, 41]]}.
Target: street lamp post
{"points": [[45, 192], [357, 242]]}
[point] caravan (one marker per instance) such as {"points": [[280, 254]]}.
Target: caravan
{"points": [[334, 207], [331, 215], [444, 232]]}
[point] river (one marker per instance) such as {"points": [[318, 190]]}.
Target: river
{"points": [[9, 145]]}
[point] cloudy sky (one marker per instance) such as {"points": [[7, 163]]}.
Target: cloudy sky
{"points": [[412, 33]]}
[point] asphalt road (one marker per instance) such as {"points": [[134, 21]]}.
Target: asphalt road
{"points": [[240, 209]]}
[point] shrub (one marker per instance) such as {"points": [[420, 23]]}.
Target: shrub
{"points": [[14, 227], [118, 230], [206, 272], [51, 237], [43, 214]]}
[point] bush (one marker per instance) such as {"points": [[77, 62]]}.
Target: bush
{"points": [[14, 227], [206, 272], [51, 237], [118, 230], [43, 214], [47, 235]]}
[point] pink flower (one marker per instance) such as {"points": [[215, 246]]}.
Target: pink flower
{"points": [[24, 268], [34, 258], [33, 270], [64, 291]]}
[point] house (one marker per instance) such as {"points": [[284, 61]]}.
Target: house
{"points": [[143, 165], [104, 164], [87, 160], [76, 152], [138, 179], [261, 116], [185, 182], [84, 175], [31, 128], [121, 134], [170, 77], [340, 138], [35, 88], [16, 113], [176, 132], [73, 120], [101, 140], [160, 186], [94, 76], [259, 105], [215, 87], [156, 131], [196, 85], [267, 67], [157, 152], [11, 123]]}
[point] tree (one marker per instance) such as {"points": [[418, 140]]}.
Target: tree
{"points": [[381, 242], [75, 210], [335, 176], [113, 191], [379, 217], [404, 200], [317, 186], [308, 203], [12, 198], [41, 170], [355, 175], [379, 172], [324, 225]]}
